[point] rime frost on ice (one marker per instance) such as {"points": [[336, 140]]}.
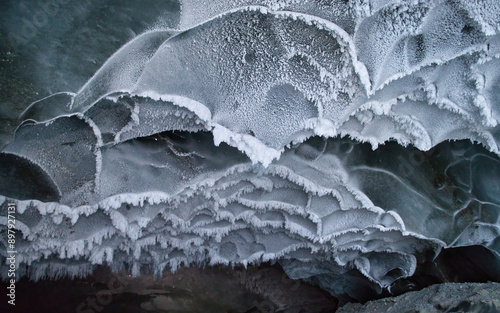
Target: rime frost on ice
{"points": [[373, 72], [203, 144], [327, 205]]}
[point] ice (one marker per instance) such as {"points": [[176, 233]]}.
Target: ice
{"points": [[239, 213], [330, 136], [244, 68]]}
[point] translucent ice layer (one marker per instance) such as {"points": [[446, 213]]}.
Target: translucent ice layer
{"points": [[225, 142], [373, 72]]}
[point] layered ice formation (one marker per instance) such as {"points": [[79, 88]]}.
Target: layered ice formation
{"points": [[248, 135]]}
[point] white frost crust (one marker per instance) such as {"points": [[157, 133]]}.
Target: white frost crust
{"points": [[251, 146], [194, 106], [276, 203], [216, 219], [125, 70]]}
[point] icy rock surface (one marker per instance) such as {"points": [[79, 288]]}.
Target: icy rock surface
{"points": [[449, 297], [217, 143]]}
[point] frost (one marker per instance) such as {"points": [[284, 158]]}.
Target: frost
{"points": [[201, 145]]}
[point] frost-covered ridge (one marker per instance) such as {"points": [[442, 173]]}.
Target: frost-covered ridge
{"points": [[360, 69], [225, 141]]}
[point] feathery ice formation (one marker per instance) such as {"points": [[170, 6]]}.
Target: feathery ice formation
{"points": [[220, 142]]}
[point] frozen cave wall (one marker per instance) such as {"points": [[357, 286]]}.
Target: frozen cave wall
{"points": [[313, 133]]}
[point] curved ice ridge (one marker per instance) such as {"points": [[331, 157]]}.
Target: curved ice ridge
{"points": [[373, 72], [140, 169], [217, 207], [175, 198]]}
